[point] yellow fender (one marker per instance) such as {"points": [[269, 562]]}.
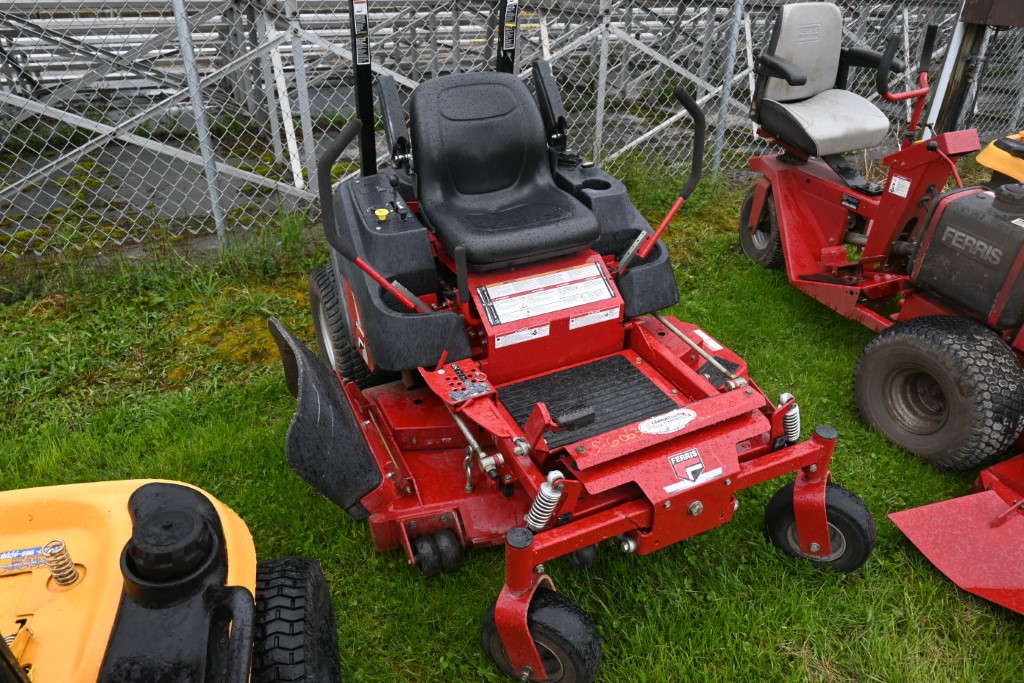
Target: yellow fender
{"points": [[998, 157]]}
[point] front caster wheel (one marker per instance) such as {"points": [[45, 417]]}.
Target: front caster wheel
{"points": [[851, 530], [566, 639]]}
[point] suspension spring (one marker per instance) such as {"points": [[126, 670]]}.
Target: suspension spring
{"points": [[546, 501], [58, 561], [791, 420], [10, 639]]}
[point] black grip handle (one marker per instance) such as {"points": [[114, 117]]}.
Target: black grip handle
{"points": [[928, 49], [885, 65], [323, 175], [697, 160]]}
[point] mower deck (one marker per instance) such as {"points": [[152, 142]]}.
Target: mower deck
{"points": [[975, 540]]}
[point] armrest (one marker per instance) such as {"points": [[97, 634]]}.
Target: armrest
{"points": [[862, 57], [777, 67]]}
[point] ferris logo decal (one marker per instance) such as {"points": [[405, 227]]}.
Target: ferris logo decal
{"points": [[971, 246], [687, 465]]}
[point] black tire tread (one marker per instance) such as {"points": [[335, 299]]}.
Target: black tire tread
{"points": [[295, 636], [347, 361], [554, 616], [772, 256], [991, 376]]}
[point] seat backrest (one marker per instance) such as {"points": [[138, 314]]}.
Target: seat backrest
{"points": [[476, 133], [810, 35]]}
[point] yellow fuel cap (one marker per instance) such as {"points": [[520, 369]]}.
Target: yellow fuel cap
{"points": [[381, 214]]}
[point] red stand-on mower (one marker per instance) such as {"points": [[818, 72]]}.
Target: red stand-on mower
{"points": [[498, 379], [935, 272]]}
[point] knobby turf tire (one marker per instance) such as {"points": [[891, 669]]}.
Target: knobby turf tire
{"points": [[851, 528], [945, 388], [561, 629], [330, 324], [296, 637], [764, 247]]}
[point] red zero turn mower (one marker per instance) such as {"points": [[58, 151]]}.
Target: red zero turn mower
{"points": [[497, 380], [936, 273]]}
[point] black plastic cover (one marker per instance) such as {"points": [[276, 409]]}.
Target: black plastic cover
{"points": [[324, 445], [648, 285], [399, 248], [179, 624], [971, 254]]}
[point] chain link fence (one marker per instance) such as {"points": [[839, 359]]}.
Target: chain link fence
{"points": [[133, 120]]}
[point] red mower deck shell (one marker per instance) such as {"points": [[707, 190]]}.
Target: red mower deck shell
{"points": [[975, 540]]}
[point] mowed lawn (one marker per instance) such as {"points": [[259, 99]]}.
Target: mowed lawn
{"points": [[156, 368]]}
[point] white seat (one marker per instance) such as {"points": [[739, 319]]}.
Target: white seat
{"points": [[815, 116], [831, 122]]}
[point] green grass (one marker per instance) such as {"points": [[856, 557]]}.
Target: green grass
{"points": [[159, 369]]}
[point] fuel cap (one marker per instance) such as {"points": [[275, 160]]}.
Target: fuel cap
{"points": [[1010, 198], [169, 544]]}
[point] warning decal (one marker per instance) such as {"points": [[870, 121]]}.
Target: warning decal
{"points": [[522, 336], [361, 29], [593, 318], [511, 25], [512, 300], [900, 186]]}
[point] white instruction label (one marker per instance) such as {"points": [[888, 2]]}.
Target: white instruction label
{"points": [[20, 560], [522, 336], [594, 318], [899, 186], [709, 341], [361, 29], [512, 300]]}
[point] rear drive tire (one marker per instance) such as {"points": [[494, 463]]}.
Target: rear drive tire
{"points": [[764, 245], [331, 327], [566, 639], [945, 388], [851, 529], [296, 637]]}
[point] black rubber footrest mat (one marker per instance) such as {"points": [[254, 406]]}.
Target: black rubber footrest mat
{"points": [[613, 387]]}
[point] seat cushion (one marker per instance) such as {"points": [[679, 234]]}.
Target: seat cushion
{"points": [[484, 175], [831, 122]]}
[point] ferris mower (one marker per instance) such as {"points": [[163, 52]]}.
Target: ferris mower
{"points": [[935, 272], [130, 581], [492, 375]]}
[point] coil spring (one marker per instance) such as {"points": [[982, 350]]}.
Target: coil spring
{"points": [[791, 420], [58, 561], [545, 503], [10, 639]]}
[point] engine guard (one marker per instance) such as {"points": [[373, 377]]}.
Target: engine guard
{"points": [[324, 444]]}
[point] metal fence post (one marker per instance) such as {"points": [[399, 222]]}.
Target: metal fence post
{"points": [[302, 91], [199, 112], [726, 91], [602, 79]]}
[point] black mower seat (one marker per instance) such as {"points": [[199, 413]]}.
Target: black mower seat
{"points": [[484, 176]]}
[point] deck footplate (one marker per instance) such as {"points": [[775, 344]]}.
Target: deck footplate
{"points": [[619, 393]]}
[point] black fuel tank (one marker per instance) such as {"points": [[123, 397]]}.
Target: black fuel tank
{"points": [[975, 242]]}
